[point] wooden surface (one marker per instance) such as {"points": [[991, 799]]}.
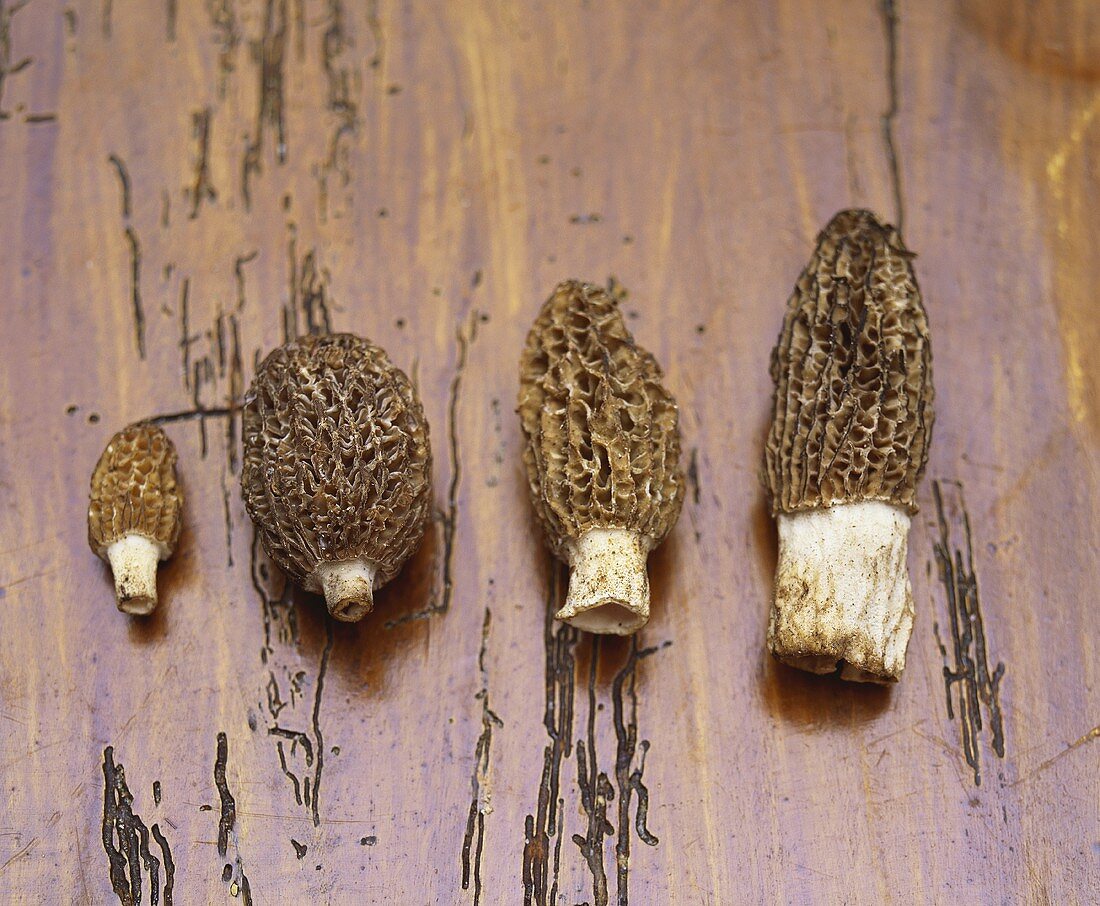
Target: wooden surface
{"points": [[183, 184]]}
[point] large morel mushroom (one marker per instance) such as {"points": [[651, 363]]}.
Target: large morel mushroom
{"points": [[602, 454], [134, 512], [337, 467], [848, 443]]}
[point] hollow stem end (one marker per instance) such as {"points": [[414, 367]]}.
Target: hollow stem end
{"points": [[608, 585], [348, 586], [133, 560], [842, 594]]}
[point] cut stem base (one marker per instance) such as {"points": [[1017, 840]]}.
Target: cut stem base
{"points": [[133, 560], [348, 586], [842, 594], [608, 584]]}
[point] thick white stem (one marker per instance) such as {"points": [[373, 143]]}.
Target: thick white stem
{"points": [[842, 595], [133, 560], [349, 588], [608, 584]]}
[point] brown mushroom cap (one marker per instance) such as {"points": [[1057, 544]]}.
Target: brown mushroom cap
{"points": [[603, 441], [337, 465], [852, 416], [134, 491]]}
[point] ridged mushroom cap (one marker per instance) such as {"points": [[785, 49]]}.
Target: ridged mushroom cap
{"points": [[336, 464], [852, 416], [602, 432], [134, 491]]}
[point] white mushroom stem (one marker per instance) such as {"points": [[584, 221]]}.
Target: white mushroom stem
{"points": [[348, 586], [608, 584], [133, 560], [842, 594]]}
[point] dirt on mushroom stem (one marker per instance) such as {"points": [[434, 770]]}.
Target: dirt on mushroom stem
{"points": [[602, 454], [852, 421]]}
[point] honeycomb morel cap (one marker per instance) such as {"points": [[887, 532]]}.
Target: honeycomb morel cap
{"points": [[851, 426], [337, 467], [602, 454], [134, 512]]}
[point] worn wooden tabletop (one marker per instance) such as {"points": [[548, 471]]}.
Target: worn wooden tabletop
{"points": [[185, 184]]}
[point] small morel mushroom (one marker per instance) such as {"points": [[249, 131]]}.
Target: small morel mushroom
{"points": [[134, 512], [337, 467], [848, 443], [602, 454]]}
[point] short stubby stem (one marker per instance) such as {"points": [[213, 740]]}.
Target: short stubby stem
{"points": [[133, 560], [608, 584], [842, 594], [349, 588]]}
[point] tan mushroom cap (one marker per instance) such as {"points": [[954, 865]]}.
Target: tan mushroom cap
{"points": [[337, 464], [134, 491], [852, 417], [602, 432]]}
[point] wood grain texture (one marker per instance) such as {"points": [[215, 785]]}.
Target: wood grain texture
{"points": [[183, 184]]}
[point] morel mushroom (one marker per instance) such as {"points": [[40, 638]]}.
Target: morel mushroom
{"points": [[602, 454], [337, 467], [848, 443], [134, 512]]}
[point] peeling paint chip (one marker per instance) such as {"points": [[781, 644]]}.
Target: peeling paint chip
{"points": [[847, 446]]}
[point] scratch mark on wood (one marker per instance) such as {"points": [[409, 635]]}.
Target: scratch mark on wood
{"points": [[170, 14], [1092, 734], [316, 720], [343, 82], [278, 613], [135, 289], [311, 291], [124, 183], [270, 53], [627, 777], [596, 790], [200, 413], [375, 26], [227, 519], [693, 475], [21, 853], [296, 737], [481, 795], [970, 672], [559, 639], [234, 875], [202, 372], [289, 774], [280, 623], [238, 273], [227, 33], [126, 841], [7, 68], [235, 390], [169, 864], [186, 340], [228, 803], [201, 188], [889, 116], [448, 520]]}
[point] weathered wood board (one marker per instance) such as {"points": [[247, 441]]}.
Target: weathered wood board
{"points": [[184, 184]]}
